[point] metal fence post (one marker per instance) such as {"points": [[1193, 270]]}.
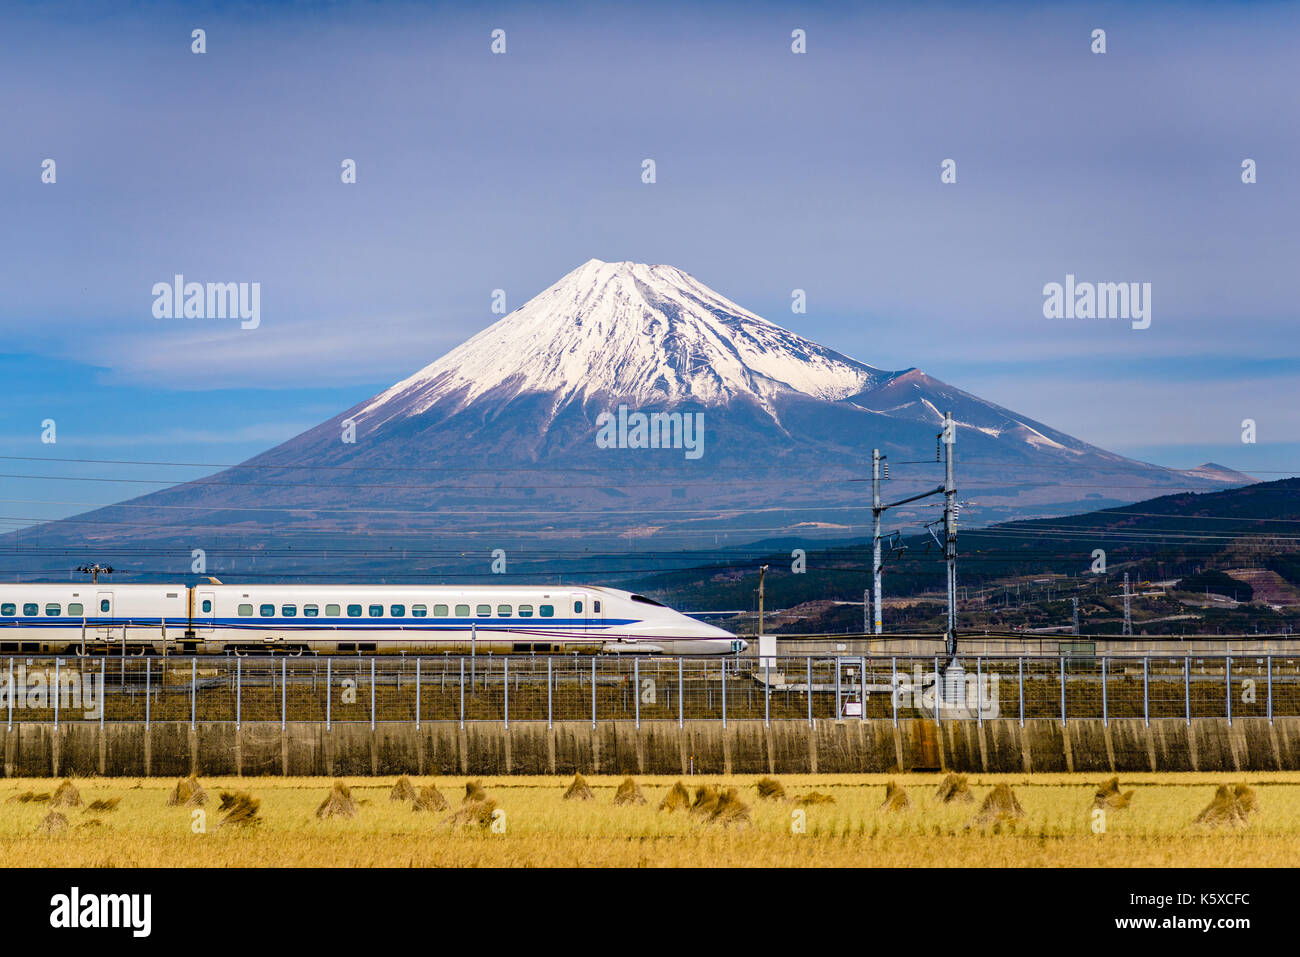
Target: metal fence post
{"points": [[862, 688], [284, 692], [148, 691], [938, 690], [103, 673], [417, 694], [372, 694], [979, 691], [1187, 688], [549, 714], [636, 690], [1020, 670], [1146, 692], [239, 688], [56, 697], [462, 694], [1268, 664], [194, 690], [810, 707], [1104, 715], [13, 691], [724, 692], [593, 693], [329, 692], [505, 691], [767, 693], [1063, 716], [1227, 684], [893, 687], [681, 708]]}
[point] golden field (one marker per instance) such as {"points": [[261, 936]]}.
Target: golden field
{"points": [[543, 829]]}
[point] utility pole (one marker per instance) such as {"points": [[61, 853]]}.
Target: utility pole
{"points": [[876, 510], [949, 437], [1128, 615], [1075, 630], [766, 644]]}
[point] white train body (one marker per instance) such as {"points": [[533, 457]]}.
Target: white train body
{"points": [[85, 618]]}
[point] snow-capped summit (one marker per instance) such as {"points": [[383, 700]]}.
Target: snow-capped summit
{"points": [[497, 445], [641, 332]]}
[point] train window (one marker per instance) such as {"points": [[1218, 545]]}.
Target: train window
{"points": [[483, 611], [245, 611], [103, 605], [503, 611], [376, 611], [53, 609], [419, 611], [8, 608], [289, 611], [30, 608], [354, 611], [267, 611], [439, 611], [332, 611], [397, 611], [207, 606], [462, 611], [547, 611], [525, 611], [595, 607], [577, 608], [310, 611], [76, 608]]}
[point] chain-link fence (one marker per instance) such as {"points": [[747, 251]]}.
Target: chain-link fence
{"points": [[336, 690]]}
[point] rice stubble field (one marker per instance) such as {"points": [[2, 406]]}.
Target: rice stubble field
{"points": [[831, 820]]}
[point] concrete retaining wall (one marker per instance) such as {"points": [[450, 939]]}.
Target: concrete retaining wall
{"points": [[170, 749]]}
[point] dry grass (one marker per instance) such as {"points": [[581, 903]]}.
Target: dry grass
{"points": [[628, 793], [579, 790], [770, 789], [1001, 806], [544, 830], [896, 798], [1109, 796], [953, 788], [429, 798], [403, 790], [52, 823], [102, 805], [730, 811], [1230, 806], [338, 803], [474, 815], [814, 797], [473, 792], [706, 799], [241, 809], [677, 798], [187, 793], [66, 795]]}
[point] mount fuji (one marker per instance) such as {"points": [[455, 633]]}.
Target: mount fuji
{"points": [[495, 445]]}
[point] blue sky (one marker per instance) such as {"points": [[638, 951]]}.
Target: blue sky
{"points": [[775, 171]]}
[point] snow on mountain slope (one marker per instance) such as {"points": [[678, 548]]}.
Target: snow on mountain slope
{"points": [[640, 332]]}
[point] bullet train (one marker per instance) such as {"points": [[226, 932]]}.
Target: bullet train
{"points": [[216, 618]]}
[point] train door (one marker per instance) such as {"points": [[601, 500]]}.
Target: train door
{"points": [[581, 608], [205, 609], [104, 612]]}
